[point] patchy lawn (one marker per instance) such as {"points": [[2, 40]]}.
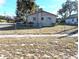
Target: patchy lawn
{"points": [[39, 48], [59, 29]]}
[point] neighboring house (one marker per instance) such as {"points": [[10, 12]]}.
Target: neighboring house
{"points": [[41, 18], [72, 20]]}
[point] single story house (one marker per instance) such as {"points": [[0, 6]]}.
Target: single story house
{"points": [[41, 19], [72, 20]]}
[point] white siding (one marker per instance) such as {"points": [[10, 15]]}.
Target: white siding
{"points": [[45, 22], [71, 21]]}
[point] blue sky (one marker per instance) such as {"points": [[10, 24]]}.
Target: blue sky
{"points": [[8, 7]]}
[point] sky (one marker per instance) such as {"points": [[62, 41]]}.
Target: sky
{"points": [[8, 7]]}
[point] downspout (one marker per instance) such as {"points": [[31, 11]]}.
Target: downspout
{"points": [[37, 19]]}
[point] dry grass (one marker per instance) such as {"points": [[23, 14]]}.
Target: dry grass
{"points": [[39, 47], [46, 30]]}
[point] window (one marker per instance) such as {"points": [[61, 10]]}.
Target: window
{"points": [[49, 18], [42, 18], [72, 20], [34, 18]]}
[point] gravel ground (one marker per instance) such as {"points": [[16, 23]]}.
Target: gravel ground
{"points": [[39, 48]]}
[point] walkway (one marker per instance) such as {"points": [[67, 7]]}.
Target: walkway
{"points": [[30, 35]]}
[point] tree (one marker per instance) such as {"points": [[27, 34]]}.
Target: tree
{"points": [[67, 8], [24, 8], [75, 6]]}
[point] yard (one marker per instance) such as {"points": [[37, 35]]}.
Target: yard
{"points": [[3, 21], [58, 29], [39, 48]]}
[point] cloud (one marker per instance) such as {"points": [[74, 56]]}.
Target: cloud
{"points": [[2, 2]]}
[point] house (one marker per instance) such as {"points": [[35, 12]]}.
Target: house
{"points": [[72, 20], [41, 19]]}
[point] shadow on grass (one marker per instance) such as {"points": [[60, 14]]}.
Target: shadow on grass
{"points": [[70, 34], [66, 30], [20, 27], [68, 24]]}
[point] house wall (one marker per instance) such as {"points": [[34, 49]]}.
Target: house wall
{"points": [[47, 21], [71, 21]]}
